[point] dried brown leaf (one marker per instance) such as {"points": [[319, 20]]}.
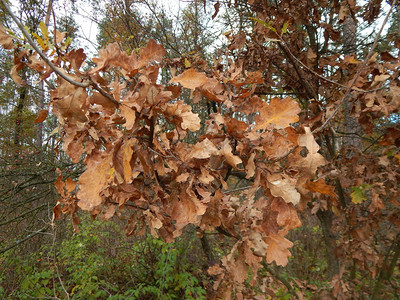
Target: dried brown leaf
{"points": [[190, 79], [280, 113], [42, 115]]}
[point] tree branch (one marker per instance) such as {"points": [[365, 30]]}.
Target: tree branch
{"points": [[24, 239], [42, 55], [364, 63]]}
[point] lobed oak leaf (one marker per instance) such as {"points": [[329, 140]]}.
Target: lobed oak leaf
{"points": [[190, 120], [277, 249], [257, 243], [152, 52], [203, 150], [205, 176], [182, 177], [97, 98], [70, 185], [91, 183], [76, 58], [287, 216], [69, 102], [190, 79], [42, 115], [109, 213], [235, 265], [122, 159], [319, 186], [6, 41], [278, 112], [313, 160], [280, 186], [129, 115]]}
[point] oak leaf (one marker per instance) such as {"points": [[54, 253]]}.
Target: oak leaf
{"points": [[279, 113], [277, 249], [203, 150], [319, 186], [42, 115], [190, 79], [281, 186], [226, 150], [129, 115], [5, 40], [69, 102], [152, 52], [91, 183], [313, 160]]}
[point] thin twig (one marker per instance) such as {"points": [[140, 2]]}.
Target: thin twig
{"points": [[23, 240]]}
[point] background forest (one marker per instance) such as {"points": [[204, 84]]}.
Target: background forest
{"points": [[233, 149]]}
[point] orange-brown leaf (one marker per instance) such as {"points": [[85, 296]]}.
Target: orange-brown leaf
{"points": [[281, 186], [280, 113], [320, 186], [203, 150], [129, 115], [190, 79], [226, 150], [93, 181], [152, 52], [42, 115], [277, 249], [5, 40], [69, 102]]}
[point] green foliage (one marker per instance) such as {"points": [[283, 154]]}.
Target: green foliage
{"points": [[100, 263]]}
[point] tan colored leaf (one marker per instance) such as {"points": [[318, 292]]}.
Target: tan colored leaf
{"points": [[235, 265], [5, 40], [190, 79], [69, 102], [250, 167], [203, 150], [152, 52], [109, 213], [15, 76], [182, 177], [190, 121], [313, 159], [226, 150], [278, 249], [287, 216], [205, 176], [93, 181], [42, 115], [129, 115], [379, 78], [280, 113], [122, 160], [258, 244], [281, 186]]}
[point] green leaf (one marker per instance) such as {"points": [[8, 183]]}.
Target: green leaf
{"points": [[267, 25], [358, 195], [44, 31], [285, 27]]}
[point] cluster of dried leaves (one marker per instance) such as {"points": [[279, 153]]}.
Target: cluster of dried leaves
{"points": [[132, 133]]}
